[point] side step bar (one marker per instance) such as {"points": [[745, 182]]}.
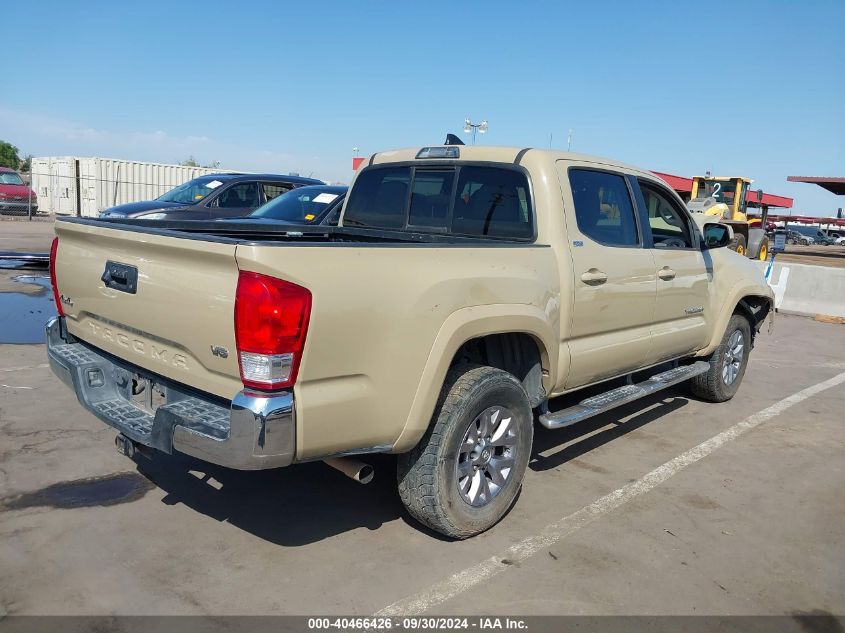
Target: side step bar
{"points": [[621, 395]]}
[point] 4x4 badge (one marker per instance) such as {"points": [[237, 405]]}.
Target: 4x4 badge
{"points": [[220, 351]]}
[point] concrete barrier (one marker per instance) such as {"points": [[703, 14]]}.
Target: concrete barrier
{"points": [[807, 290]]}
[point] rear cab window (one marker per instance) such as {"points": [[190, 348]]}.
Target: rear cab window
{"points": [[459, 199]]}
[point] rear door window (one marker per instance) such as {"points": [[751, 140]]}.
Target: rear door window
{"points": [[603, 207], [274, 189], [476, 201]]}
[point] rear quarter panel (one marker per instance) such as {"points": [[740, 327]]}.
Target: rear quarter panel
{"points": [[384, 327]]}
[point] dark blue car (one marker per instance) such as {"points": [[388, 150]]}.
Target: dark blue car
{"points": [[312, 204], [212, 196]]}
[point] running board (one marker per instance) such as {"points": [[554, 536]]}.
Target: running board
{"points": [[622, 395]]}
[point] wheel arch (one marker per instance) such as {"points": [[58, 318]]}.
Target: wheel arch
{"points": [[750, 303], [516, 338], [517, 353]]}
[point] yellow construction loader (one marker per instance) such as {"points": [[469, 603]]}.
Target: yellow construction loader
{"points": [[724, 197]]}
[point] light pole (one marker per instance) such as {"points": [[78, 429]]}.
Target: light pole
{"points": [[469, 126]]}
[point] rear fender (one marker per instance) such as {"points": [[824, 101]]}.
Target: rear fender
{"points": [[457, 329]]}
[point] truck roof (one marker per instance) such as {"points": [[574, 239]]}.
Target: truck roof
{"points": [[243, 176], [493, 153]]}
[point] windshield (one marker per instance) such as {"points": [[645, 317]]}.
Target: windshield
{"points": [[720, 190], [192, 191], [10, 178], [724, 191], [306, 205]]}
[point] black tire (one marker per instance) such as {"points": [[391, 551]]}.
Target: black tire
{"points": [[712, 386], [762, 250], [739, 245], [427, 475]]}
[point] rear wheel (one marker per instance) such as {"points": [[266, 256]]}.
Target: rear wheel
{"points": [[727, 363], [465, 473]]}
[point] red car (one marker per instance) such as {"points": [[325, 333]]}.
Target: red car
{"points": [[756, 222], [15, 196]]}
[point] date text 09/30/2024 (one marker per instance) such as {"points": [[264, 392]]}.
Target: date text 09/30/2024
{"points": [[414, 623]]}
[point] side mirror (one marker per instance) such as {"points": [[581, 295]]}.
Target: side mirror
{"points": [[716, 235]]}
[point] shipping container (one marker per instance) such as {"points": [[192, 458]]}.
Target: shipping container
{"points": [[76, 185]]}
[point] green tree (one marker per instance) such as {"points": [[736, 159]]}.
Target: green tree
{"points": [[9, 155], [189, 162]]}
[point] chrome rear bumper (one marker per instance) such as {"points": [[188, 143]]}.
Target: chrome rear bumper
{"points": [[254, 431]]}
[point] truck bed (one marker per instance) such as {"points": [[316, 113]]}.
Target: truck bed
{"points": [[248, 231], [386, 306]]}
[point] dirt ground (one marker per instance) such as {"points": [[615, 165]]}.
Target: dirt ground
{"points": [[832, 256]]}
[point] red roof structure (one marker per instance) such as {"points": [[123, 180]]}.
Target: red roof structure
{"points": [[833, 185], [683, 185]]}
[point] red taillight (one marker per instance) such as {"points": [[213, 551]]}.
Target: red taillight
{"points": [[271, 320], [53, 249]]}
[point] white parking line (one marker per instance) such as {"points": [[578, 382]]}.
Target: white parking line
{"points": [[468, 578]]}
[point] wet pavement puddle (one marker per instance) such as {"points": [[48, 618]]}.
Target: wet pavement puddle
{"points": [[107, 490], [26, 304]]}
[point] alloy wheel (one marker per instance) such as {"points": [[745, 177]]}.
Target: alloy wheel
{"points": [[487, 455], [733, 357]]}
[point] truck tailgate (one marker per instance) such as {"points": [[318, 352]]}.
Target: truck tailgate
{"points": [[181, 309]]}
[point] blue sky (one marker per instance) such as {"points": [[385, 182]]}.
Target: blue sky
{"points": [[754, 88]]}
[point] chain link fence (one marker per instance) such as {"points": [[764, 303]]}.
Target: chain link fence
{"points": [[14, 202]]}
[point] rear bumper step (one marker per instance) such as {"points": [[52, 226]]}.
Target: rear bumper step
{"points": [[621, 395], [255, 431]]}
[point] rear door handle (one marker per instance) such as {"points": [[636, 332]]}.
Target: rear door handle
{"points": [[594, 277], [666, 273]]}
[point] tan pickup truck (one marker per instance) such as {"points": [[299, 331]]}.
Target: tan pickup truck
{"points": [[464, 289]]}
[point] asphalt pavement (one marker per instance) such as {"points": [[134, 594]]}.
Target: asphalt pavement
{"points": [[750, 522]]}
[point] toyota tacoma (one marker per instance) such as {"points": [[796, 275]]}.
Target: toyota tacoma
{"points": [[464, 291]]}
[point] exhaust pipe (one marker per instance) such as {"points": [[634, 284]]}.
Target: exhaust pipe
{"points": [[124, 445], [352, 468], [130, 448]]}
